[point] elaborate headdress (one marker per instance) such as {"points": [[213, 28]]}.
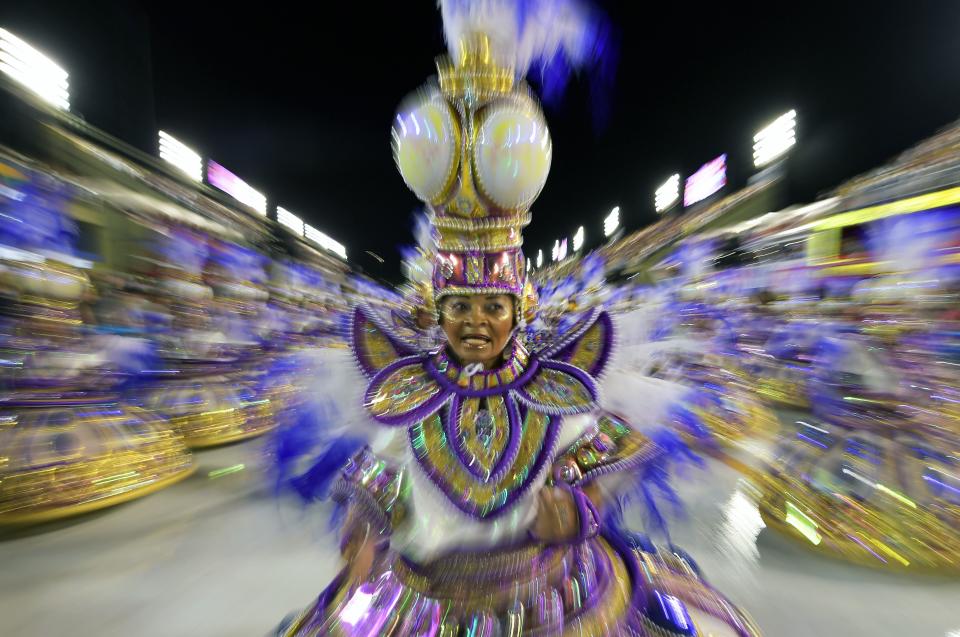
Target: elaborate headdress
{"points": [[474, 146]]}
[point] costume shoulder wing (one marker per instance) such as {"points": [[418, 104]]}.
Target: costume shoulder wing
{"points": [[404, 392], [558, 388], [587, 344], [374, 345]]}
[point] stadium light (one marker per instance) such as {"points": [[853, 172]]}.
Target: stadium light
{"points": [[34, 71], [539, 259], [775, 139], [181, 156], [578, 239], [555, 252], [667, 194], [562, 251], [611, 222], [324, 241], [290, 220]]}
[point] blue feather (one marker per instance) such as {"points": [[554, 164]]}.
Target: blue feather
{"points": [[651, 483], [656, 519], [694, 426], [303, 438], [314, 483], [614, 524]]}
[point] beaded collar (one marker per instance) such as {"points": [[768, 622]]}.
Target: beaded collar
{"points": [[518, 367]]}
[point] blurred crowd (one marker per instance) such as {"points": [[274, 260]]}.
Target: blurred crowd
{"points": [[137, 323]]}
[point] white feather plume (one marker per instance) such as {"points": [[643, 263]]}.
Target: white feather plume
{"points": [[521, 32]]}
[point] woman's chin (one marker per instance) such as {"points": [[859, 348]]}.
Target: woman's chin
{"points": [[469, 356]]}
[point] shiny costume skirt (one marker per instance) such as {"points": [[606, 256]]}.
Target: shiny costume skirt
{"points": [[608, 585]]}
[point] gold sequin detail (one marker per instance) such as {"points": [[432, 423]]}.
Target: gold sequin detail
{"points": [[557, 389], [590, 346], [403, 391], [431, 445], [488, 241], [486, 455], [375, 348], [474, 269]]}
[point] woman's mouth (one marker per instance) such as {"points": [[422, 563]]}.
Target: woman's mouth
{"points": [[475, 341]]}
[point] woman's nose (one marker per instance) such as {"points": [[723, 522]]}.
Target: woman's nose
{"points": [[476, 315]]}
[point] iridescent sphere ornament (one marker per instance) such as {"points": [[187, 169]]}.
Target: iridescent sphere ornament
{"points": [[426, 146], [511, 155]]}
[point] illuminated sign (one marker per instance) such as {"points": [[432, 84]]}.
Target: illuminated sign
{"points": [[237, 188], [711, 177]]}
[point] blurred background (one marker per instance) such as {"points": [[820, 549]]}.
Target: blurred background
{"points": [[190, 195]]}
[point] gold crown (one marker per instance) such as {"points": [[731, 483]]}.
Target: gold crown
{"points": [[474, 76], [465, 222]]}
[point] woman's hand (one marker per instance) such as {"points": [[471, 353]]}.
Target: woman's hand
{"points": [[360, 549], [557, 518], [360, 560]]}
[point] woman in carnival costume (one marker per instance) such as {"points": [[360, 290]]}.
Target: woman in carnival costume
{"points": [[480, 480]]}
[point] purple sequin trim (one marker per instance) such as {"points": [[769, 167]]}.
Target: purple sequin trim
{"points": [[626, 464], [639, 600], [589, 516], [608, 344]]}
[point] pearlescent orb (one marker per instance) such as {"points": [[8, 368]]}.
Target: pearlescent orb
{"points": [[512, 157], [425, 148]]}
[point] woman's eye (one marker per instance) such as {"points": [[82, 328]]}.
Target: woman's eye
{"points": [[495, 307]]}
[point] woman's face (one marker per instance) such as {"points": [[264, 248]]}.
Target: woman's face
{"points": [[477, 326], [424, 319]]}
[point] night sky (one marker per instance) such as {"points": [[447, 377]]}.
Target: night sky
{"points": [[299, 102]]}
